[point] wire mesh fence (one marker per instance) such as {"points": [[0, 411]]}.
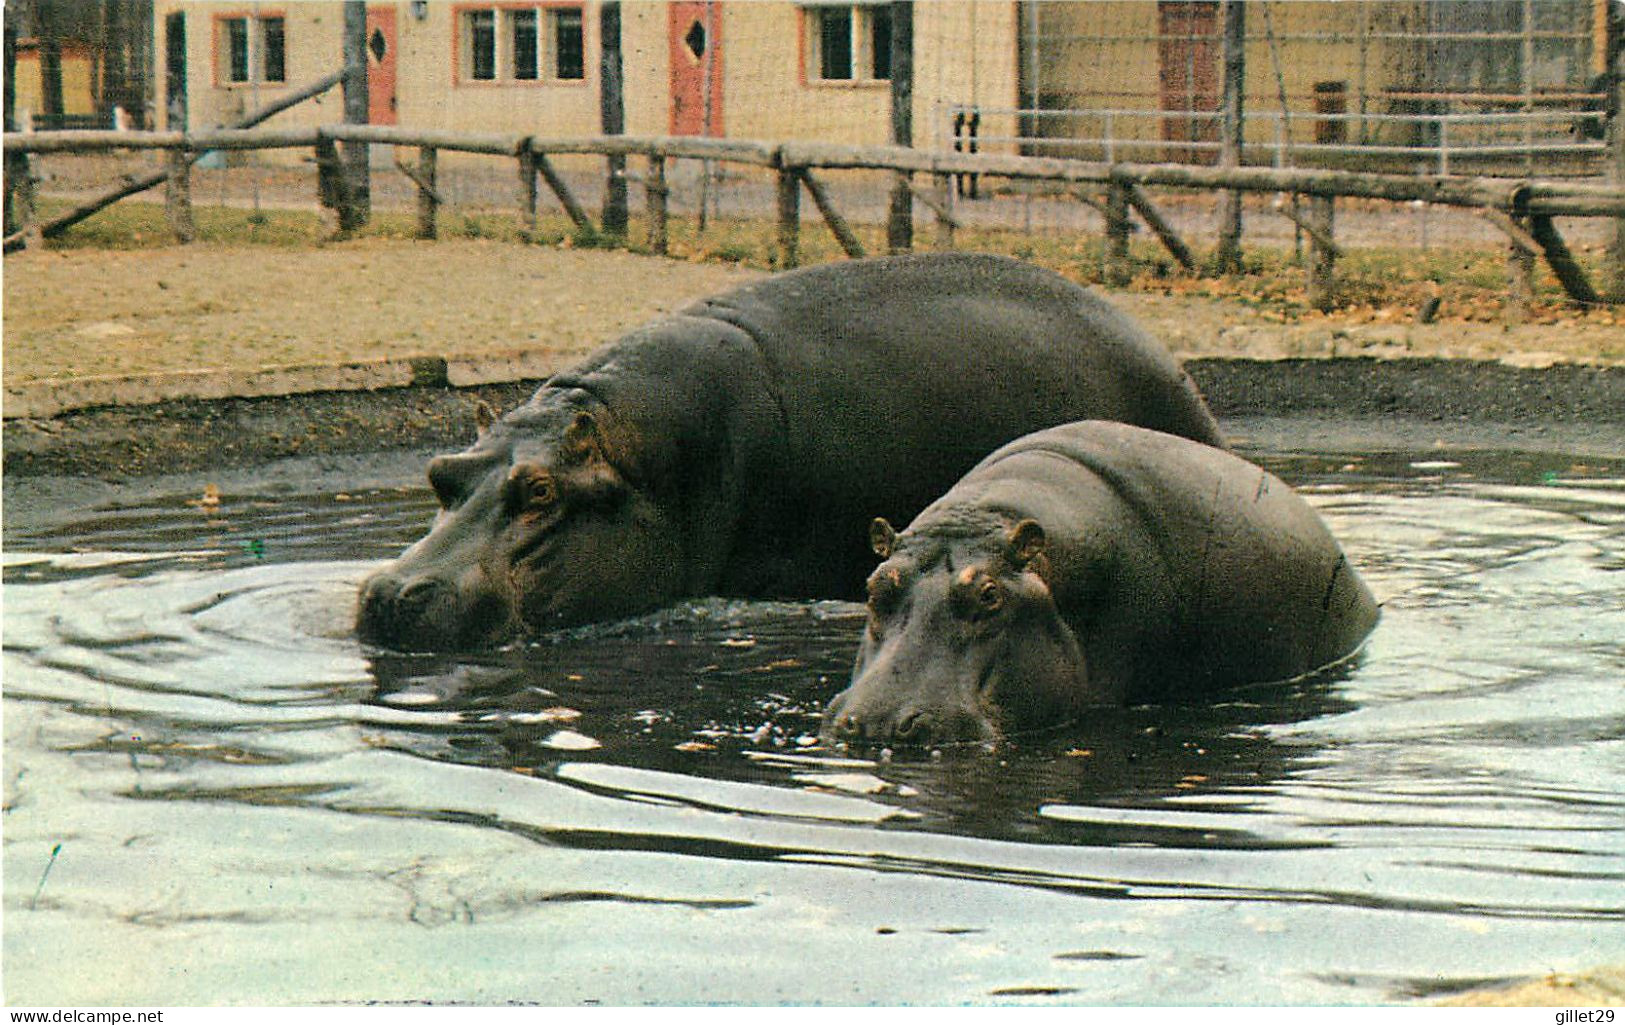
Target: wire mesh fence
{"points": [[1465, 86], [1441, 87]]}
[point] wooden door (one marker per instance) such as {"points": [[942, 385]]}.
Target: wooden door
{"points": [[1188, 57], [695, 33], [381, 105]]}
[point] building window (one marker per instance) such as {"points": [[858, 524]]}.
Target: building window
{"points": [[255, 49], [274, 53], [569, 44], [523, 44], [482, 42], [525, 52], [849, 43]]}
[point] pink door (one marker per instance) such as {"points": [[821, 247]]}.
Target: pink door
{"points": [[381, 65], [696, 55]]}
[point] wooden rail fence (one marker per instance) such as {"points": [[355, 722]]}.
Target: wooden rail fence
{"points": [[1522, 209]]}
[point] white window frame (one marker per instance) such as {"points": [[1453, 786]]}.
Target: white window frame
{"points": [[254, 35], [505, 22], [861, 25]]}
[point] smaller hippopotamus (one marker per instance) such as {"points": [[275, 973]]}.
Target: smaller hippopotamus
{"points": [[1092, 563]]}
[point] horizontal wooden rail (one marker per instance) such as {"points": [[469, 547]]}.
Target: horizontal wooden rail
{"points": [[492, 144], [1549, 198], [690, 147]]}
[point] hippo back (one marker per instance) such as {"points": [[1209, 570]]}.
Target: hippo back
{"points": [[894, 376]]}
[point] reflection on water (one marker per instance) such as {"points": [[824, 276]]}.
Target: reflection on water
{"points": [[213, 794]]}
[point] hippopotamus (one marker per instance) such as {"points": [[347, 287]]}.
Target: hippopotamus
{"points": [[1091, 564], [740, 446]]}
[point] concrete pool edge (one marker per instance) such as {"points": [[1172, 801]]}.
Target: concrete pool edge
{"points": [[357, 408]]}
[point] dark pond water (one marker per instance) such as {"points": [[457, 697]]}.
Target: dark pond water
{"points": [[213, 794]]}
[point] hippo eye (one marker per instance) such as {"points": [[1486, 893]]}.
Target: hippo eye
{"points": [[542, 492], [531, 490]]}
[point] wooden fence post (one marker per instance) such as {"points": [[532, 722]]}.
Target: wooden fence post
{"points": [[1561, 259], [357, 208], [23, 190], [945, 211], [655, 192], [900, 215], [527, 192], [837, 224], [1614, 287], [1520, 274], [332, 183], [900, 222], [1116, 271], [1159, 225], [789, 218], [178, 195], [567, 199], [428, 197], [1232, 132], [1319, 221], [612, 114]]}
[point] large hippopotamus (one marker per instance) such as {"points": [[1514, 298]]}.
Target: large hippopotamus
{"points": [[1092, 563], [741, 446]]}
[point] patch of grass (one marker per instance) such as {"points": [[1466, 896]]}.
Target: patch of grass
{"points": [[1372, 282]]}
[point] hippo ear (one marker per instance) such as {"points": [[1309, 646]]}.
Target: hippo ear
{"points": [[882, 538], [1027, 541], [484, 417]]}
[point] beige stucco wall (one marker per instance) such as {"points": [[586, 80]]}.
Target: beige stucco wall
{"points": [[964, 53], [314, 34]]}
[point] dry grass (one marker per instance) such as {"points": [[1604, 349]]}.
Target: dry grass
{"points": [[118, 296]]}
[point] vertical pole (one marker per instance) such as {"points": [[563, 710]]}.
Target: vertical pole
{"points": [[527, 193], [1322, 281], [1520, 276], [654, 196], [1117, 228], [356, 207], [1527, 60], [178, 195], [16, 164], [900, 223], [1614, 285], [46, 14], [945, 211], [428, 200], [1033, 94], [1227, 259], [332, 185], [612, 114], [789, 218]]}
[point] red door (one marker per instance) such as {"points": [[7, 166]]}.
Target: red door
{"points": [[695, 31], [381, 65], [1188, 54]]}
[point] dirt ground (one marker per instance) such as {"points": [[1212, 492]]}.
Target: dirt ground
{"points": [[74, 313]]}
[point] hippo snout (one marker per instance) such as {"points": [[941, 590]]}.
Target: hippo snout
{"points": [[908, 725], [420, 612]]}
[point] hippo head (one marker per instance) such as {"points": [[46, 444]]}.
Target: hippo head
{"points": [[964, 641], [537, 529]]}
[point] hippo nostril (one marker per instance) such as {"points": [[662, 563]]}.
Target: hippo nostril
{"points": [[414, 597], [913, 727]]}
